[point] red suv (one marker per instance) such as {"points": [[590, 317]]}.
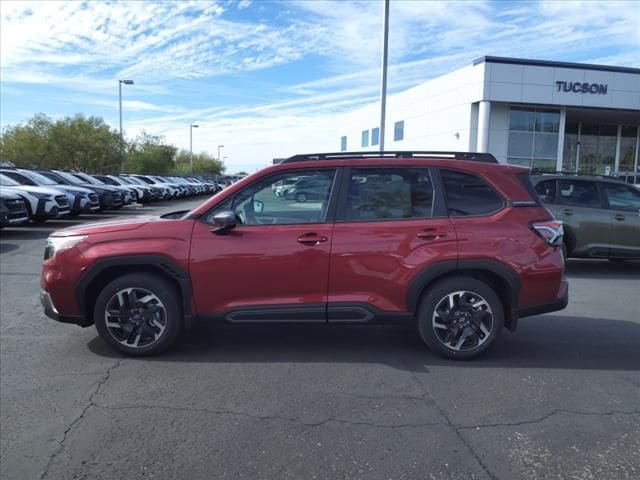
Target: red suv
{"points": [[453, 242]]}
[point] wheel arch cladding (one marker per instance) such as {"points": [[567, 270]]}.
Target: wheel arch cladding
{"points": [[503, 279], [108, 269]]}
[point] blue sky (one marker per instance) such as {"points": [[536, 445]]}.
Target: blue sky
{"points": [[272, 78]]}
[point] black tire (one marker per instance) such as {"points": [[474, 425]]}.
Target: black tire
{"points": [[301, 197], [439, 292], [171, 316], [565, 252], [39, 219]]}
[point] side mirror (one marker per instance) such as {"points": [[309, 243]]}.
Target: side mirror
{"points": [[258, 206], [224, 221]]}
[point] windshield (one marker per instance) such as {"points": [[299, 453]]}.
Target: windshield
{"points": [[145, 179], [97, 181], [69, 178], [55, 177], [37, 178], [86, 178], [8, 182], [114, 180]]}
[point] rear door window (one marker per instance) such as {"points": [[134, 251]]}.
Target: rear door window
{"points": [[388, 194], [468, 194], [579, 193], [622, 197]]}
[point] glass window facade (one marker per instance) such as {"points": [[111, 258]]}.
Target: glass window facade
{"points": [[343, 143], [533, 138], [591, 148], [365, 138], [398, 131], [628, 139], [375, 136]]}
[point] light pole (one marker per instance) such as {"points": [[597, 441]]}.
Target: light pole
{"points": [[383, 80], [220, 159], [191, 127], [120, 82]]}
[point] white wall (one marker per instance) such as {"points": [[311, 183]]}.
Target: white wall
{"points": [[499, 130], [433, 113], [442, 114]]}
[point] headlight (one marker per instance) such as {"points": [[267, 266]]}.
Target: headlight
{"points": [[56, 244]]}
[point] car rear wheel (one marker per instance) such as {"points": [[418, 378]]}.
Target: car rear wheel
{"points": [[138, 314], [300, 197], [460, 317]]}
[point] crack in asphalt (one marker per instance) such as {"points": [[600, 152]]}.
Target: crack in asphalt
{"points": [[333, 419], [546, 416], [90, 403], [452, 426]]}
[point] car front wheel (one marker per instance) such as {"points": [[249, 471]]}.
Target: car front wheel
{"points": [[138, 314], [460, 317]]}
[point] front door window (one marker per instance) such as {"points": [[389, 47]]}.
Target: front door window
{"points": [[296, 197]]}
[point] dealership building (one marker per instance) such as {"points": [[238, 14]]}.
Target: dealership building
{"points": [[545, 115]]}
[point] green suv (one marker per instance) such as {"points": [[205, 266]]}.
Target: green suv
{"points": [[601, 215]]}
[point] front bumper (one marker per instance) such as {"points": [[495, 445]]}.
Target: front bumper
{"points": [[51, 312]]}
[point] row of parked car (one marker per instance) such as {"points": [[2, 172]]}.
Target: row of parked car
{"points": [[43, 194]]}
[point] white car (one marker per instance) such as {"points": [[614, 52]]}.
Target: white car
{"points": [[43, 203], [80, 199]]}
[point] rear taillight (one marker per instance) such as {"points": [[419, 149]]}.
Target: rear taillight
{"points": [[549, 230]]}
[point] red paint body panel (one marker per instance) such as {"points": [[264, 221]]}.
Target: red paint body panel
{"points": [[62, 272], [374, 262], [258, 265], [507, 238]]}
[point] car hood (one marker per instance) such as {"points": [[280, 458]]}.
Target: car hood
{"points": [[34, 189], [7, 194], [98, 188], [74, 190], [106, 226]]}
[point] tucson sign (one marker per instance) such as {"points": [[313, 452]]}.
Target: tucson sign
{"points": [[582, 87]]}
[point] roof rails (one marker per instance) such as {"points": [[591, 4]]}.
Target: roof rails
{"points": [[472, 156], [571, 173]]}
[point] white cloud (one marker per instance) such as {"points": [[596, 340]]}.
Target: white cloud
{"points": [[85, 47]]}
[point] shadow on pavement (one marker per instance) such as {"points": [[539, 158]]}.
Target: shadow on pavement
{"points": [[8, 247], [546, 341]]}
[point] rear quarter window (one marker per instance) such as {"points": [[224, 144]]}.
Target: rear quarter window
{"points": [[467, 194]]}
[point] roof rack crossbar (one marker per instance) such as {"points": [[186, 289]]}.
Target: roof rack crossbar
{"points": [[471, 156]]}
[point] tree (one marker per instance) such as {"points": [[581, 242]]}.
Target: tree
{"points": [[85, 143], [27, 145], [203, 164], [149, 154], [79, 142]]}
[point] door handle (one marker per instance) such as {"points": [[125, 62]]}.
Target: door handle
{"points": [[567, 211], [619, 216], [311, 239], [431, 234]]}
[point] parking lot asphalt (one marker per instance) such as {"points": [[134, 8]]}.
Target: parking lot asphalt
{"points": [[559, 399]]}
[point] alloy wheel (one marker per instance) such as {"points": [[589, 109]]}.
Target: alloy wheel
{"points": [[462, 320], [135, 317]]}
